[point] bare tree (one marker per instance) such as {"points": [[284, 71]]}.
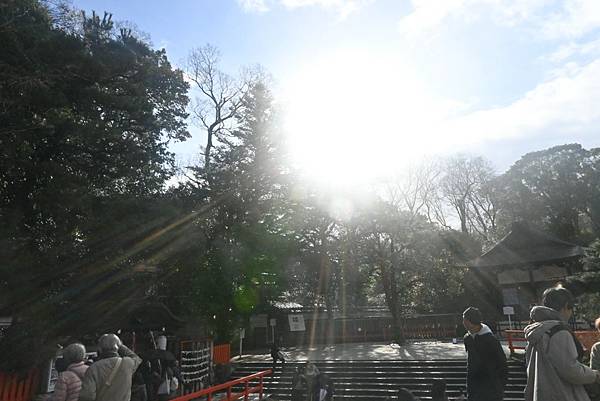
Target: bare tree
{"points": [[467, 188], [220, 100], [417, 191]]}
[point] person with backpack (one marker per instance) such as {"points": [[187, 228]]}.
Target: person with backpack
{"points": [[553, 353], [487, 370], [68, 385]]}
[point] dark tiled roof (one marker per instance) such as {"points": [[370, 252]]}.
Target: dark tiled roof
{"points": [[525, 245]]}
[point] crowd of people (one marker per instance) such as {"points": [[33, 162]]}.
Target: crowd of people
{"points": [[554, 358], [118, 374]]}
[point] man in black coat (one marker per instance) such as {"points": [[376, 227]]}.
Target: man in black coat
{"points": [[486, 362]]}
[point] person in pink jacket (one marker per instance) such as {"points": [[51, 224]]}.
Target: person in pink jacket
{"points": [[68, 385]]}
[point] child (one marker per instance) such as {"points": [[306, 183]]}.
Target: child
{"points": [[438, 390], [405, 395]]}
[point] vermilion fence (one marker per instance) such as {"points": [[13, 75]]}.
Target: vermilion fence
{"points": [[228, 389], [222, 353], [516, 339], [14, 387]]}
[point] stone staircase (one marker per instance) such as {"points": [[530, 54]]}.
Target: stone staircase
{"points": [[376, 380]]}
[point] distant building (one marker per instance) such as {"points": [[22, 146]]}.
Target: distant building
{"points": [[526, 262]]}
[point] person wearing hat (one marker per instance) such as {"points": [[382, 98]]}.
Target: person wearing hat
{"points": [[109, 379], [68, 385]]}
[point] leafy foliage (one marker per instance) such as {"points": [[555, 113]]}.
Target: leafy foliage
{"points": [[86, 119]]}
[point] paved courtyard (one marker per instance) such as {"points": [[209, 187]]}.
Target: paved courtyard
{"points": [[372, 351]]}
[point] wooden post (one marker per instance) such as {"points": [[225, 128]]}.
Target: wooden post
{"points": [[260, 391]]}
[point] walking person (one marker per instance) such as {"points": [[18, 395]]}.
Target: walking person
{"points": [[109, 379], [277, 355], [487, 370], [554, 370], [68, 385]]}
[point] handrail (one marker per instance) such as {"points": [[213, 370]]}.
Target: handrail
{"points": [[514, 335], [228, 385]]}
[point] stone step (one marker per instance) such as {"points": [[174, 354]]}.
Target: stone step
{"points": [[376, 380]]}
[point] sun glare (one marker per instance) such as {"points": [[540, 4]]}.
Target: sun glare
{"points": [[357, 116]]}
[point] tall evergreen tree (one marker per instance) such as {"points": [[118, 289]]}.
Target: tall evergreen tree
{"points": [[86, 115]]}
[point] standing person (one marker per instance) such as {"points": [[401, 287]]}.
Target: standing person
{"points": [[277, 355], [438, 390], [554, 372], [109, 379], [168, 383], [595, 353], [68, 384], [299, 391], [486, 362], [311, 372], [594, 389]]}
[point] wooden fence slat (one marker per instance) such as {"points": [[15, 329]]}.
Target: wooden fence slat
{"points": [[20, 394], [6, 389], [12, 388], [28, 385]]}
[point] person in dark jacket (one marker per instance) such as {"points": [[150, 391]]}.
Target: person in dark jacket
{"points": [[438, 390], [487, 370], [299, 389], [406, 395], [277, 355]]}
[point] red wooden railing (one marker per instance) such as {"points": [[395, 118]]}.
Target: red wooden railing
{"points": [[18, 388], [586, 337], [513, 336], [259, 388], [222, 353]]}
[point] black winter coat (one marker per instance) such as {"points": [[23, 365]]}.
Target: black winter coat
{"points": [[487, 371]]}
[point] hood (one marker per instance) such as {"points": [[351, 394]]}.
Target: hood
{"points": [[485, 329], [543, 313], [544, 319]]}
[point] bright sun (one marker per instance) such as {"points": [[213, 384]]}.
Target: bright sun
{"points": [[357, 116]]}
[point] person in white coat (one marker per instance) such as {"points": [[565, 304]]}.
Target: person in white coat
{"points": [[109, 379]]}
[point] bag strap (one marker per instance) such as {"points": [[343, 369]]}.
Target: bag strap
{"points": [[111, 377], [565, 327]]}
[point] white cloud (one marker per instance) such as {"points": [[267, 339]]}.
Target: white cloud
{"points": [[427, 15], [567, 103], [342, 7], [575, 50], [576, 18], [551, 19], [257, 6]]}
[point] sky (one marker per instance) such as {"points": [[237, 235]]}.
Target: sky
{"points": [[368, 86]]}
